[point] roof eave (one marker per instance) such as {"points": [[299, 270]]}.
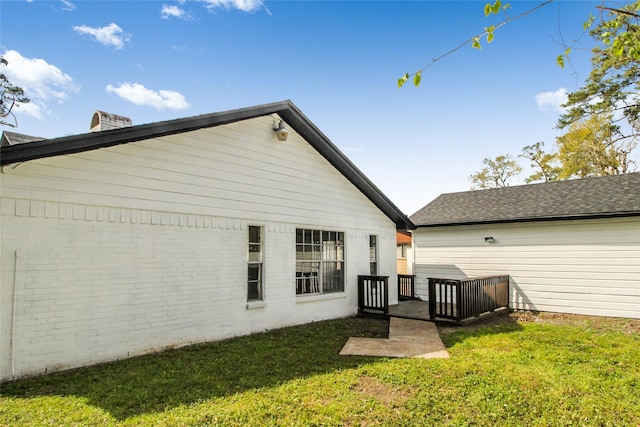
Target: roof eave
{"points": [[319, 141], [536, 219], [91, 141]]}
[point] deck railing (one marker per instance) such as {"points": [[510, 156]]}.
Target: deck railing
{"points": [[373, 293], [462, 299], [406, 286]]}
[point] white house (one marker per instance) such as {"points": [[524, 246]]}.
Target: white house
{"points": [[569, 246], [125, 241]]}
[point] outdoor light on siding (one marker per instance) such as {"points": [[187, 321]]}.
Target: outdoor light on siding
{"points": [[489, 239], [281, 131]]}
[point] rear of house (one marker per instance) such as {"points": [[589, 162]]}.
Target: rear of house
{"points": [[127, 241], [570, 246]]}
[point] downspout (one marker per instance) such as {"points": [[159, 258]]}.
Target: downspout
{"points": [[13, 316]]}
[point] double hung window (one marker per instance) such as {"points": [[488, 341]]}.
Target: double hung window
{"points": [[373, 255], [319, 261], [254, 263]]}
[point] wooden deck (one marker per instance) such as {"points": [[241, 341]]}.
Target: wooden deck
{"points": [[410, 309], [456, 300], [419, 310]]}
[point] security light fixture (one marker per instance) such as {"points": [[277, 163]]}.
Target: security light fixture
{"points": [[281, 131]]}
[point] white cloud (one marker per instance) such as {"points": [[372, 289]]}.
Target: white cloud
{"points": [[33, 108], [242, 5], [170, 11], [552, 101], [68, 6], [41, 82], [111, 35], [140, 95]]}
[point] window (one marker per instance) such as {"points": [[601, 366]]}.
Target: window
{"points": [[254, 262], [319, 261], [373, 255]]}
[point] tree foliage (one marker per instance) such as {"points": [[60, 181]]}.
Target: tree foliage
{"points": [[589, 148], [602, 118], [496, 173], [545, 164], [10, 96], [613, 86]]}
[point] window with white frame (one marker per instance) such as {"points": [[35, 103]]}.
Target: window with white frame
{"points": [[254, 264], [319, 261], [373, 255]]}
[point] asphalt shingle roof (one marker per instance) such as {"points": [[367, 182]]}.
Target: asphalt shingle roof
{"points": [[615, 195], [13, 138]]}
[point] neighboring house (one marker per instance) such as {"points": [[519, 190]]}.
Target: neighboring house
{"points": [[403, 240], [126, 241], [569, 246]]}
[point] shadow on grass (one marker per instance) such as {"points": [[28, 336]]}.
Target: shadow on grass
{"points": [[494, 324], [165, 380]]}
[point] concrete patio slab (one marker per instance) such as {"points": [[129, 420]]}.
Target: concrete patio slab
{"points": [[407, 338]]}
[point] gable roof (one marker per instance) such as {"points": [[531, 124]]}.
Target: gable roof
{"points": [[601, 197], [13, 138], [294, 118]]}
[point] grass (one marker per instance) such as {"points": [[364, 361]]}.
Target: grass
{"points": [[584, 372]]}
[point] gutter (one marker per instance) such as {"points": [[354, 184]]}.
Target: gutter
{"points": [[537, 219]]}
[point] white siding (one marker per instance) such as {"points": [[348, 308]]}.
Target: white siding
{"points": [[583, 266], [143, 246]]}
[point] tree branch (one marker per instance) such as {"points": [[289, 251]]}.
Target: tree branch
{"points": [[624, 12], [479, 36]]}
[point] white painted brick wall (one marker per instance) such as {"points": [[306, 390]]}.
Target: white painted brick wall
{"points": [[94, 287], [140, 246]]}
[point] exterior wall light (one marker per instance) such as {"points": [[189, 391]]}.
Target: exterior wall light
{"points": [[489, 239], [281, 131]]}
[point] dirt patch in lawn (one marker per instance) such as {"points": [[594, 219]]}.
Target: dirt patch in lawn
{"points": [[383, 393], [624, 325]]}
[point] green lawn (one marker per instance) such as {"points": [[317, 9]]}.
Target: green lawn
{"points": [[579, 372]]}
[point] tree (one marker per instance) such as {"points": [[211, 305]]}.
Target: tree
{"points": [[10, 96], [613, 86], [589, 148], [602, 118], [496, 173], [545, 163]]}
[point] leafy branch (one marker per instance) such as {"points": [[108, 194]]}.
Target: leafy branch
{"points": [[489, 33], [620, 11]]}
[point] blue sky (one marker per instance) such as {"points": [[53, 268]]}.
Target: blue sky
{"points": [[338, 61]]}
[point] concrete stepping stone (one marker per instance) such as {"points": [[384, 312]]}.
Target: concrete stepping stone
{"points": [[407, 338]]}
